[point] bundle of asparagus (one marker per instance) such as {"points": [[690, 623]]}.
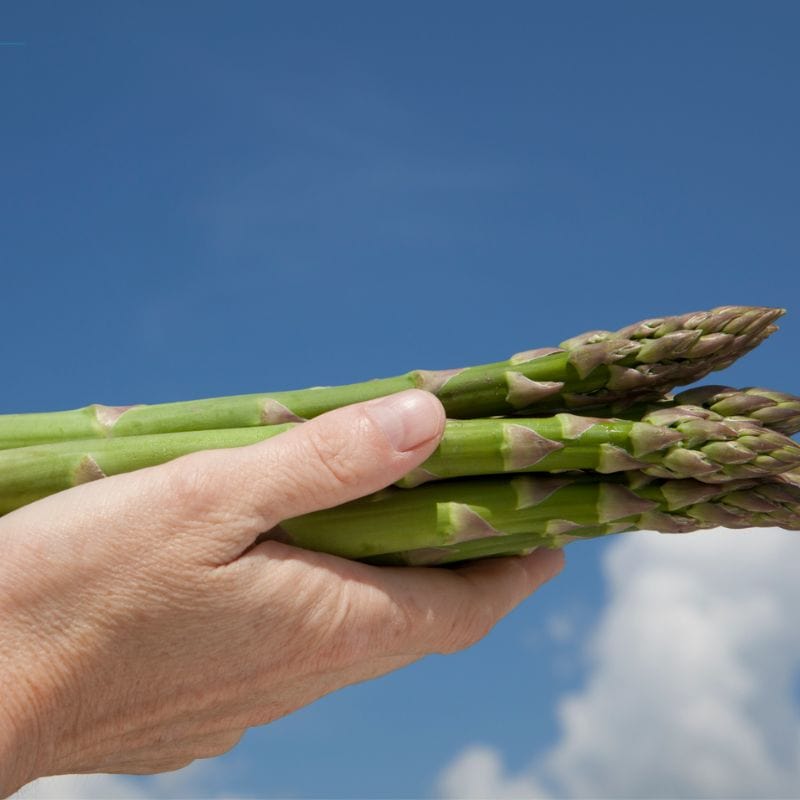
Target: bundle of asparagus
{"points": [[611, 450]]}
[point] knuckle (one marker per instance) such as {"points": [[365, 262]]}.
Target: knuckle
{"points": [[334, 454], [341, 637], [389, 627], [188, 487], [404, 625], [398, 626], [354, 623], [318, 634], [466, 629]]}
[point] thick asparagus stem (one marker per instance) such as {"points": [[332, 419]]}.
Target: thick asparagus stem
{"points": [[678, 442], [773, 504], [506, 515], [642, 360]]}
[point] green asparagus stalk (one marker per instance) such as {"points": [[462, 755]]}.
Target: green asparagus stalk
{"points": [[689, 442], [643, 360], [779, 411], [30, 473], [773, 504], [469, 518], [677, 442]]}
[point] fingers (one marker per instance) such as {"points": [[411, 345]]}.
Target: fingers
{"points": [[448, 610], [354, 612], [330, 460], [503, 593]]}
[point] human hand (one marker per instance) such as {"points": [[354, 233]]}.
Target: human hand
{"points": [[142, 626]]}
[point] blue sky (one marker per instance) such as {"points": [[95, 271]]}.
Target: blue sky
{"points": [[202, 198]]}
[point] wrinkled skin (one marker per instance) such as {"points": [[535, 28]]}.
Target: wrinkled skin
{"points": [[142, 625]]}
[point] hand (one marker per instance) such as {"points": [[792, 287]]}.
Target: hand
{"points": [[142, 626]]}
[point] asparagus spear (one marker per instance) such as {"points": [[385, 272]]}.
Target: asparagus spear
{"points": [[674, 442], [773, 504], [30, 473], [507, 515], [779, 411], [680, 442], [642, 360]]}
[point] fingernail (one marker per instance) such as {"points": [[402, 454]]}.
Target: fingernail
{"points": [[408, 419]]}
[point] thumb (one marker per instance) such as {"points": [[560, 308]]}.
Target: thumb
{"points": [[329, 460]]}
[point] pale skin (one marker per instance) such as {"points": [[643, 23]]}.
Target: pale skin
{"points": [[143, 625]]}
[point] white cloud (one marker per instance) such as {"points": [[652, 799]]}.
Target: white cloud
{"points": [[83, 787], [562, 627], [691, 688], [189, 782], [478, 773]]}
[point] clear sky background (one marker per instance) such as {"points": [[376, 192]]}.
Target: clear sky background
{"points": [[208, 198]]}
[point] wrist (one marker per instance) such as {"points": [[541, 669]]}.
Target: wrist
{"points": [[16, 751], [21, 743], [31, 719]]}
